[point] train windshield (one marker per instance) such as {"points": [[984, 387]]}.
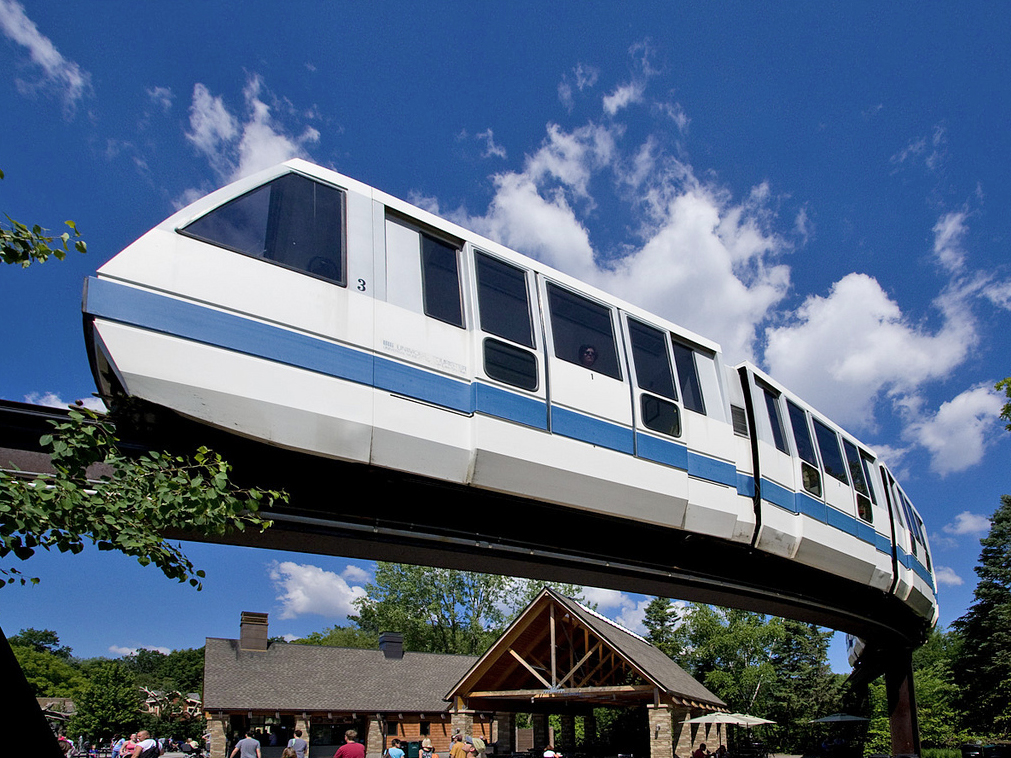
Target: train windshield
{"points": [[292, 221]]}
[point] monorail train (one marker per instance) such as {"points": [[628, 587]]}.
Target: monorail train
{"points": [[307, 310]]}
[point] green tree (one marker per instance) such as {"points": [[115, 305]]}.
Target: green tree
{"points": [[1005, 413], [180, 670], [341, 636], [109, 704], [804, 686], [21, 245], [42, 640], [982, 671], [125, 509], [661, 620], [48, 674]]}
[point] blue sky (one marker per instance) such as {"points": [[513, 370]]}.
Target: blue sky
{"points": [[821, 189]]}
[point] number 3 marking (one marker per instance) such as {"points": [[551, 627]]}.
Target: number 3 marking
{"points": [[361, 285]]}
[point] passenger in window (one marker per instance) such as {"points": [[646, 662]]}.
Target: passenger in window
{"points": [[587, 355]]}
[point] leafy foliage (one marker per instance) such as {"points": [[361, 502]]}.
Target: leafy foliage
{"points": [[127, 506], [341, 636], [48, 674], [109, 704], [982, 670], [41, 640], [1005, 413], [21, 245], [180, 670]]}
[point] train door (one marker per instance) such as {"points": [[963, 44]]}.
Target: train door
{"points": [[422, 367], [510, 386]]}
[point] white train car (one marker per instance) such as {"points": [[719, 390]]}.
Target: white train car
{"points": [[309, 311]]}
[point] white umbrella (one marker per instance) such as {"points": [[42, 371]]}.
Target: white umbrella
{"points": [[837, 718], [715, 718], [749, 721]]}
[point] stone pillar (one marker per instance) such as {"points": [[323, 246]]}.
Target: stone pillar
{"points": [[589, 732], [463, 722], [539, 722], [217, 727], [567, 739], [302, 723], [374, 747], [661, 743], [682, 732], [504, 733]]}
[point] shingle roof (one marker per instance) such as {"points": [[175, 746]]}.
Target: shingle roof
{"points": [[314, 678]]}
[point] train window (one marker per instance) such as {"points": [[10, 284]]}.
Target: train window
{"points": [[441, 280], [503, 300], [510, 364], [776, 419], [292, 221], [805, 449], [660, 415], [652, 360], [866, 461], [583, 332], [688, 378], [860, 483], [831, 455]]}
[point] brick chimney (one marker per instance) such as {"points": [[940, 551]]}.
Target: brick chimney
{"points": [[392, 644], [253, 631]]}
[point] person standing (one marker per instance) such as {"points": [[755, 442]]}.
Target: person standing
{"points": [[457, 749], [247, 747], [147, 747], [395, 750], [351, 748], [299, 745]]}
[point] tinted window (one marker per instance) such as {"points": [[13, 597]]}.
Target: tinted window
{"points": [[582, 331], [652, 360], [867, 475], [775, 420], [510, 364], [688, 378], [831, 455], [292, 221], [503, 300], [801, 434], [660, 415], [441, 280], [856, 469]]}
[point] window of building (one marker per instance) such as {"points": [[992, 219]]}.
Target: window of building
{"points": [[292, 221], [583, 332], [503, 300]]}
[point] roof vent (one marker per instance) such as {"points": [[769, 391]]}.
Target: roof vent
{"points": [[253, 631], [392, 644]]}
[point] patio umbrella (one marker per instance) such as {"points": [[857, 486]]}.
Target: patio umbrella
{"points": [[743, 719], [837, 718], [715, 718]]}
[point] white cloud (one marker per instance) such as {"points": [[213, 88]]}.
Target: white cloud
{"points": [[162, 97], [123, 650], [234, 147], [959, 433], [947, 577], [491, 148], [58, 73], [839, 352], [306, 589], [949, 231], [626, 610], [623, 96], [52, 400], [968, 523]]}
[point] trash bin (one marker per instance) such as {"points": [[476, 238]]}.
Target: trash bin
{"points": [[413, 749]]}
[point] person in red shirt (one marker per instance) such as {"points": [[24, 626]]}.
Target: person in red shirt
{"points": [[350, 748]]}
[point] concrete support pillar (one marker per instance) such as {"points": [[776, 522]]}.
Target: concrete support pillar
{"points": [[374, 747], [217, 727], [566, 741], [463, 722], [504, 733], [539, 721], [682, 732], [902, 719], [661, 744]]}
